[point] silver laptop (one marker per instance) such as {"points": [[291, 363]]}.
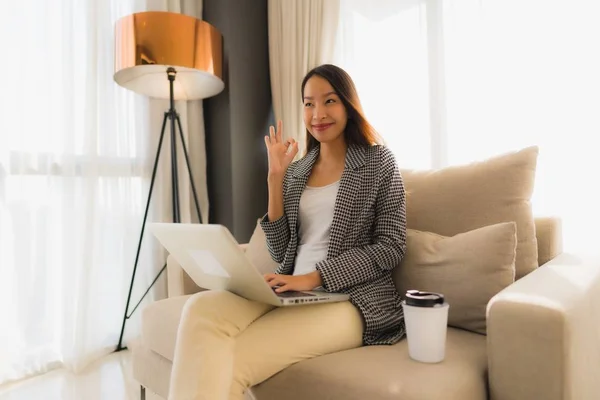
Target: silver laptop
{"points": [[214, 260]]}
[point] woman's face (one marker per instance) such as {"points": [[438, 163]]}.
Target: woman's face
{"points": [[325, 116]]}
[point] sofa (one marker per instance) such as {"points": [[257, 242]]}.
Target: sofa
{"points": [[540, 338]]}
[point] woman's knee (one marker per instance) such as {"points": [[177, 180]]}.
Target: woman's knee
{"points": [[222, 306], [206, 303]]}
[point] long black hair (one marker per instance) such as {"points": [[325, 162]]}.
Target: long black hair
{"points": [[358, 130]]}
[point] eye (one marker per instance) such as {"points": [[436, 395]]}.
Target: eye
{"points": [[330, 101], [307, 104]]}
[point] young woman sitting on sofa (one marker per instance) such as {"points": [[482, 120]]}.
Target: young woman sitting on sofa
{"points": [[336, 220]]}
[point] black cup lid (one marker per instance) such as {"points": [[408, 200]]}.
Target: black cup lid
{"points": [[418, 298]]}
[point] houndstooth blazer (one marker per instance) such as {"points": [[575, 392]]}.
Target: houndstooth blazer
{"points": [[367, 239]]}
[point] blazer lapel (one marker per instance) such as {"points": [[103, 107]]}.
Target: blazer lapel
{"points": [[346, 208]]}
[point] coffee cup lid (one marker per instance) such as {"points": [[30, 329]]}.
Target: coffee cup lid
{"points": [[418, 298]]}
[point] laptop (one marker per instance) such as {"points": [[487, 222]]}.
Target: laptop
{"points": [[214, 260]]}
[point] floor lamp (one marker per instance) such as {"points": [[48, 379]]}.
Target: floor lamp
{"points": [[167, 56]]}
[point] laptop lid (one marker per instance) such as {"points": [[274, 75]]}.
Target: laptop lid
{"points": [[213, 259]]}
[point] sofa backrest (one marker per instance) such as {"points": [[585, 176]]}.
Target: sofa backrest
{"points": [[548, 231]]}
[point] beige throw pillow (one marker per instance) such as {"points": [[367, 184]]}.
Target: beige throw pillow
{"points": [[462, 198], [468, 268], [257, 251]]}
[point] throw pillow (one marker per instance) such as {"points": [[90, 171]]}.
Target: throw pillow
{"points": [[257, 251], [468, 269], [462, 198]]}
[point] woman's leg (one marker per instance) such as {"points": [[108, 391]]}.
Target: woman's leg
{"points": [[203, 362], [287, 335]]}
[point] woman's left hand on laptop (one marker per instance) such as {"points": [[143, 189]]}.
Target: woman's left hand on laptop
{"points": [[294, 282]]}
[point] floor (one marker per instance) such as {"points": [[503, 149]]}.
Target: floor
{"points": [[107, 379]]}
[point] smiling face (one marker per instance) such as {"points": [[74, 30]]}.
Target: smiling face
{"points": [[325, 116]]}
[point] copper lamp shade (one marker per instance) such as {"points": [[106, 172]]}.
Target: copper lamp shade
{"points": [[147, 43]]}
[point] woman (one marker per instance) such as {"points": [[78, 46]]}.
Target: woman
{"points": [[336, 220]]}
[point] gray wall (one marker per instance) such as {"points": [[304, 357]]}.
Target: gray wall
{"points": [[238, 118]]}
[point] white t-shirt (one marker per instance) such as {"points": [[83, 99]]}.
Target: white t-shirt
{"points": [[314, 217]]}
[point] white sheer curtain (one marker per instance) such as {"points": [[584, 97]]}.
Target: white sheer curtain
{"points": [[384, 49], [449, 82], [301, 36], [76, 154]]}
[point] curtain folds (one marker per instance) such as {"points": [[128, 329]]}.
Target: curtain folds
{"points": [[76, 157], [301, 37]]}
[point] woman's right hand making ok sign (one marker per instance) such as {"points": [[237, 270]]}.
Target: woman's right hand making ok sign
{"points": [[281, 153]]}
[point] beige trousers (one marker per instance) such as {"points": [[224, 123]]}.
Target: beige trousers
{"points": [[226, 344]]}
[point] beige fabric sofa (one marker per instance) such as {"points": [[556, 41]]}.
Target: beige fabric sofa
{"points": [[543, 343]]}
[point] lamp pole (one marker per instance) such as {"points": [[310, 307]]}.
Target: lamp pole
{"points": [[148, 44], [175, 124]]}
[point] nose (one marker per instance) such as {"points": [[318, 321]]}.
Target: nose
{"points": [[319, 112]]}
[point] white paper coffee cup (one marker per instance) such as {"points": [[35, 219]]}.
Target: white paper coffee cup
{"points": [[426, 320]]}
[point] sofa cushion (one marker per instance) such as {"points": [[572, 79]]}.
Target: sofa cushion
{"points": [[462, 375], [468, 268], [257, 251], [386, 372], [462, 198]]}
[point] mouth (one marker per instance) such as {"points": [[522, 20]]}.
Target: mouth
{"points": [[321, 127]]}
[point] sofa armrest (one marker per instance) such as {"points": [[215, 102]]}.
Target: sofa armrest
{"points": [[179, 282], [544, 333]]}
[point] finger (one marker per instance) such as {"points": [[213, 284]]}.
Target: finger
{"points": [[283, 288], [288, 143], [275, 282], [267, 142], [279, 130], [272, 135]]}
